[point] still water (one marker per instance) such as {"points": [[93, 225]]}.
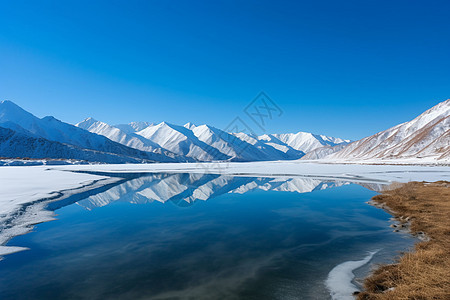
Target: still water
{"points": [[197, 236]]}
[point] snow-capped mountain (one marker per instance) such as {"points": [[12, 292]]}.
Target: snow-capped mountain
{"points": [[304, 141], [189, 125], [200, 143], [51, 129], [207, 143], [276, 151], [133, 126], [138, 141], [323, 152], [182, 141], [427, 137], [128, 139], [240, 146], [25, 135]]}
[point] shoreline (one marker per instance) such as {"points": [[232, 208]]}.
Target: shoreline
{"points": [[22, 217], [423, 209], [425, 162]]}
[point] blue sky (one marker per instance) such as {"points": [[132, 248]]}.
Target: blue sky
{"points": [[341, 68]]}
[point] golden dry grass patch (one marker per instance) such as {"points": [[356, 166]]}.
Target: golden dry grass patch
{"points": [[425, 272]]}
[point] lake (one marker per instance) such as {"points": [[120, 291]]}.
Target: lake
{"points": [[202, 236]]}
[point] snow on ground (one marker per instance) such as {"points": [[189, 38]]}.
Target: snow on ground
{"points": [[350, 172], [424, 161], [22, 188], [20, 185], [339, 281], [38, 162]]}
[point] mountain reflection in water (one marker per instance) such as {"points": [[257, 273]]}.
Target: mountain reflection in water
{"points": [[186, 188], [258, 238]]}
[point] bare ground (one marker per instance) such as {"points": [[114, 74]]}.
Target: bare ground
{"points": [[425, 272]]}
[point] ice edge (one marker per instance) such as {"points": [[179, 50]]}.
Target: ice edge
{"points": [[339, 281]]}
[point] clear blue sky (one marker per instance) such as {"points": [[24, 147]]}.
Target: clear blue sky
{"points": [[341, 68]]}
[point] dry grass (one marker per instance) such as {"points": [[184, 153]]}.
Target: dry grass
{"points": [[425, 272]]}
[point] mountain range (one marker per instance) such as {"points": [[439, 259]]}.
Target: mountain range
{"points": [[207, 143], [32, 137], [23, 135], [425, 137]]}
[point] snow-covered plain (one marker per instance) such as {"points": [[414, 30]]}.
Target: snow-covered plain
{"points": [[22, 186], [350, 172]]}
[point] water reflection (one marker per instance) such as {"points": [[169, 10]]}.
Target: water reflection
{"points": [[186, 189], [260, 238]]}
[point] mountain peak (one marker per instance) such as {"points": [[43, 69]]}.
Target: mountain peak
{"points": [[6, 104], [133, 127], [440, 108], [189, 125], [142, 125], [205, 126], [166, 124], [9, 111], [86, 122], [49, 119], [423, 137]]}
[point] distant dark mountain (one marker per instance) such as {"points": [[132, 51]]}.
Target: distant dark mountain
{"points": [[15, 144], [51, 129]]}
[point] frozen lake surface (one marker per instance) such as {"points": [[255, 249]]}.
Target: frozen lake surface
{"points": [[204, 236]]}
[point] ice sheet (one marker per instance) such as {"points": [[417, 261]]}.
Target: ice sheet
{"points": [[20, 185], [339, 281], [351, 172], [22, 190]]}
